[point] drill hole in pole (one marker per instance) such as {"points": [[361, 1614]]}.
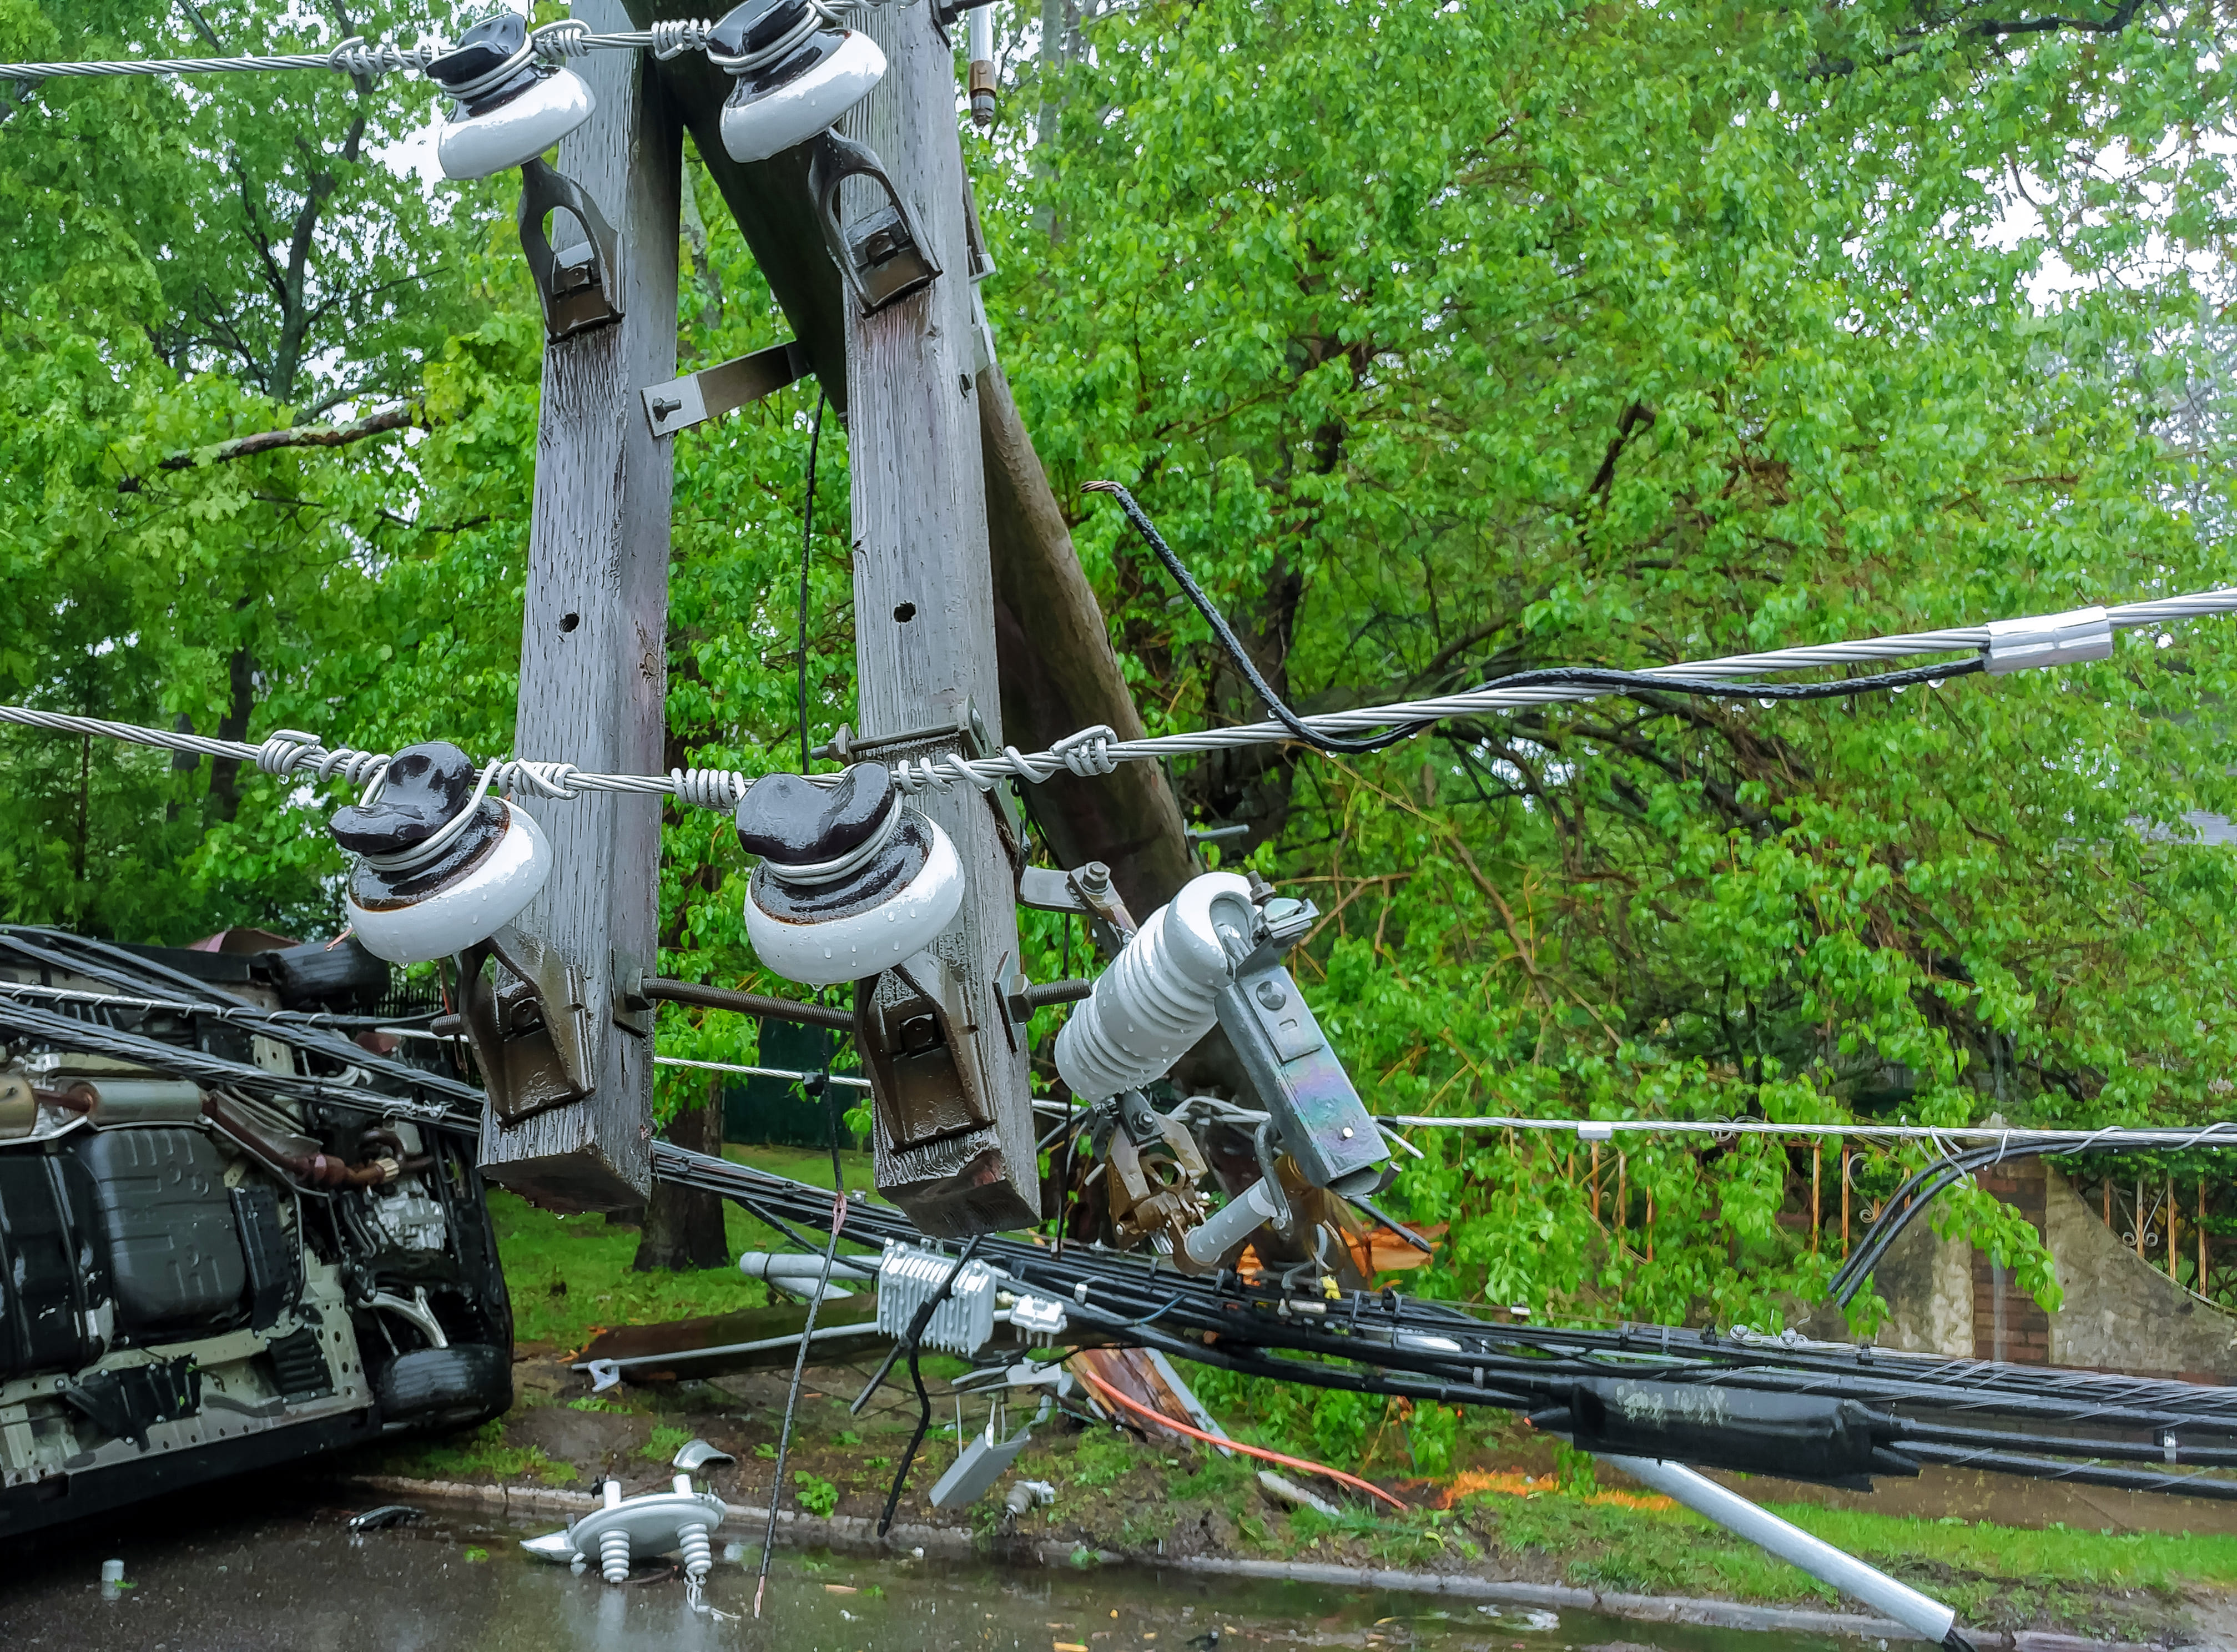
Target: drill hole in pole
{"points": [[905, 612], [568, 622]]}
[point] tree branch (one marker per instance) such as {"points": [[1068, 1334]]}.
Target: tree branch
{"points": [[401, 415], [2123, 15]]}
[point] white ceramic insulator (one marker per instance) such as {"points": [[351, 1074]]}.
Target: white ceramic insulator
{"points": [[614, 1555], [756, 128], [516, 131], [698, 1553], [1153, 1004], [842, 949], [471, 908]]}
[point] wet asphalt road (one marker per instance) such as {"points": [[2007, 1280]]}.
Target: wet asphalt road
{"points": [[234, 1569]]}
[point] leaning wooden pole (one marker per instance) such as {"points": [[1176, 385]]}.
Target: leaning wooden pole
{"points": [[1057, 670], [593, 657], [1060, 673], [924, 611]]}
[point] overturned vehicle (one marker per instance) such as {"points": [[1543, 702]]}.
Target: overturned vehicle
{"points": [[237, 1225]]}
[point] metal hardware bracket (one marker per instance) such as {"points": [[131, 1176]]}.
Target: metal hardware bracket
{"points": [[530, 1030], [915, 1036], [712, 391], [580, 288], [633, 1006], [882, 254], [970, 732], [1042, 889]]}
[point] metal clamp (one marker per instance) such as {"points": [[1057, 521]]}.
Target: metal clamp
{"points": [[968, 731], [712, 391], [882, 254], [580, 288], [2069, 638], [1085, 891], [1155, 1168], [912, 1026], [1314, 1107], [530, 1028]]}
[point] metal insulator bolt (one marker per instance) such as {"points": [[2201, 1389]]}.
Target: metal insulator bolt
{"points": [[698, 1553], [614, 1545]]}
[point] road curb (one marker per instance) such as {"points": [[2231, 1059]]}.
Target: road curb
{"points": [[857, 1534]]}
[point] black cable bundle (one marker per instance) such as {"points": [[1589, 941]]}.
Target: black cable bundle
{"points": [[1637, 685]]}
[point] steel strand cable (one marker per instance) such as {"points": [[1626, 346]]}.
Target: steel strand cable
{"points": [[1097, 750]]}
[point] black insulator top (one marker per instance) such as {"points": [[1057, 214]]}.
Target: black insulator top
{"points": [[425, 788], [755, 26], [786, 821], [482, 49]]}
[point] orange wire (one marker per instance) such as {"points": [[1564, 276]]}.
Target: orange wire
{"points": [[1164, 1421]]}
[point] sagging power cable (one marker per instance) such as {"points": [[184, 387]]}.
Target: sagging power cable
{"points": [[1238, 655], [806, 545], [554, 42], [808, 1331], [1431, 1349]]}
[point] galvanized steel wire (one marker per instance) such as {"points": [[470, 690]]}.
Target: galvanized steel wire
{"points": [[1091, 751]]}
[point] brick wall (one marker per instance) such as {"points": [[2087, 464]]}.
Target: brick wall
{"points": [[2026, 1327]]}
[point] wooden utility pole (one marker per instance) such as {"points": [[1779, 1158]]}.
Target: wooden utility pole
{"points": [[593, 657], [1057, 671], [924, 603]]}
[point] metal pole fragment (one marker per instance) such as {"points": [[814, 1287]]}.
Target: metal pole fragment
{"points": [[1930, 1618]]}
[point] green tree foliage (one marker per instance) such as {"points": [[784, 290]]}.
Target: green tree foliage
{"points": [[212, 259], [1444, 340], [1450, 340], [197, 263]]}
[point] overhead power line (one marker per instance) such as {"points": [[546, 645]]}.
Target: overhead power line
{"points": [[2002, 646], [555, 43], [2014, 1141]]}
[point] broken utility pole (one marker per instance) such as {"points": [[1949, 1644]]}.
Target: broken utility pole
{"points": [[924, 632], [1057, 668], [570, 1121]]}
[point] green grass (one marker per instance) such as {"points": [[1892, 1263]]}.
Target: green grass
{"points": [[1992, 1575], [1103, 1458], [462, 1457], [569, 1275]]}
